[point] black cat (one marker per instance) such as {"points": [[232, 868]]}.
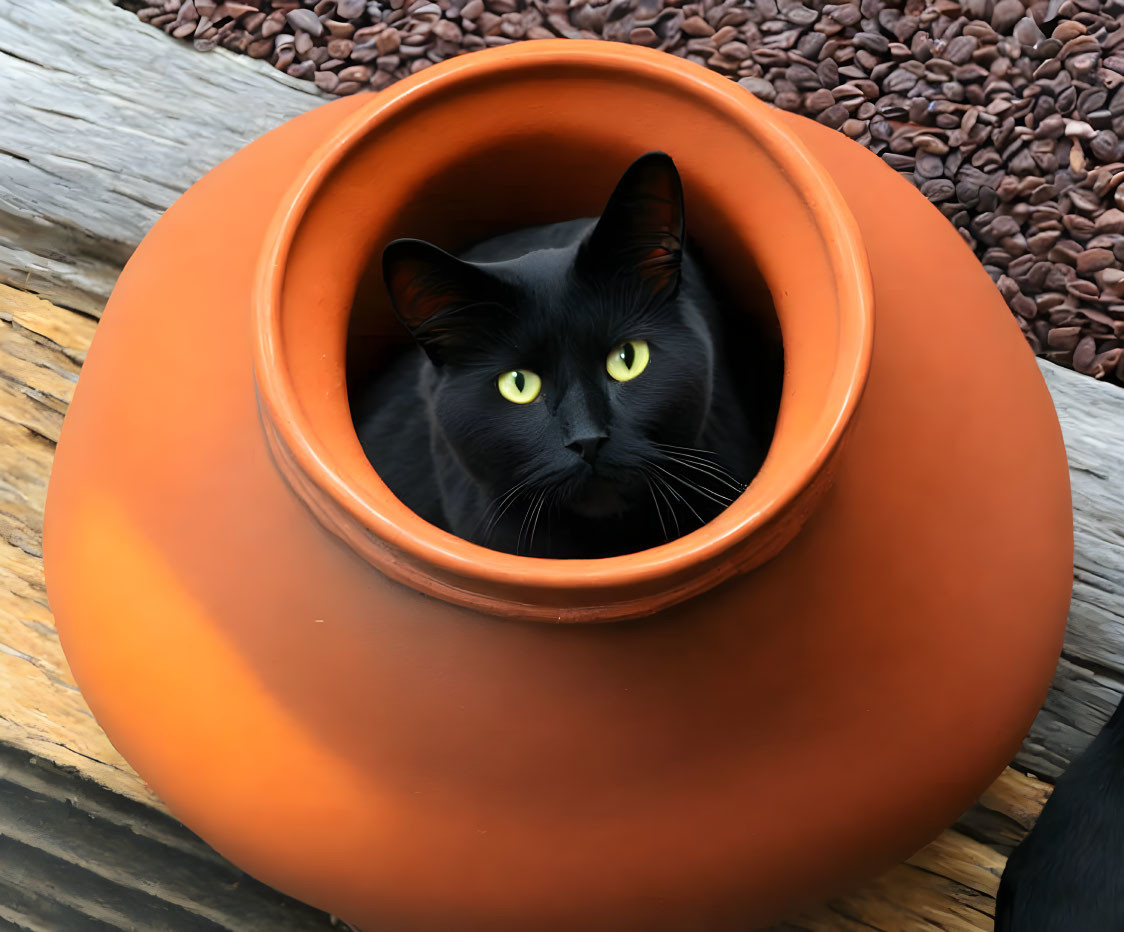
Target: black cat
{"points": [[1067, 875], [570, 393]]}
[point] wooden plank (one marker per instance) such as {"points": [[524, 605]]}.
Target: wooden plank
{"points": [[1089, 681], [951, 883], [41, 712], [76, 856], [96, 143]]}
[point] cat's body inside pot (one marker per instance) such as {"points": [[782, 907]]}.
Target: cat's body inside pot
{"points": [[572, 390]]}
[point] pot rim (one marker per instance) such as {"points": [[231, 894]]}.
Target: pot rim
{"points": [[450, 567]]}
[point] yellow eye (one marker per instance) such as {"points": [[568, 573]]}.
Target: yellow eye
{"points": [[520, 385], [628, 360]]}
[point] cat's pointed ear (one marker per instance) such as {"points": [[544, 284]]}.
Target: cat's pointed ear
{"points": [[640, 234], [436, 296]]}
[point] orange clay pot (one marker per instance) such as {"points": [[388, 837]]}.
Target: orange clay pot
{"points": [[416, 733]]}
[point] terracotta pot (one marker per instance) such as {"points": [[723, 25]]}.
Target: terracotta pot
{"points": [[391, 723]]}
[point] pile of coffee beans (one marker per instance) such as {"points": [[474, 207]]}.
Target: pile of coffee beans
{"points": [[1008, 115]]}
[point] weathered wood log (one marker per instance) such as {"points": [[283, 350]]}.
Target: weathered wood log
{"points": [[95, 142], [75, 856], [1090, 677], [105, 122]]}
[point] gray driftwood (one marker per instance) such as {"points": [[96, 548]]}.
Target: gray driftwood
{"points": [[1090, 677], [104, 121]]}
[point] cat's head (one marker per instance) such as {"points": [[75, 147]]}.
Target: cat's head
{"points": [[564, 368]]}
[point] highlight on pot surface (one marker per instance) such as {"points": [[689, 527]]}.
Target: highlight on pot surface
{"points": [[582, 388]]}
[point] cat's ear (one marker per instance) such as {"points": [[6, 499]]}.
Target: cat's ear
{"points": [[442, 300], [640, 235]]}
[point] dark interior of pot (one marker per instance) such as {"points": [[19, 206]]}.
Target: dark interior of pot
{"points": [[538, 179], [492, 145]]}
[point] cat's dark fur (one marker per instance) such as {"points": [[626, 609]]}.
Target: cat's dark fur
{"points": [[1068, 873], [592, 467]]}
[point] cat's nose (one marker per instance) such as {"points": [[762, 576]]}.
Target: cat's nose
{"points": [[587, 446]]}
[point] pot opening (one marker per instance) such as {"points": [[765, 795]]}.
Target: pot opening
{"points": [[499, 188], [528, 135]]}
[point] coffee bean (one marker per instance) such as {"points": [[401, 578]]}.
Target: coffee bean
{"points": [[306, 21], [1040, 243], [1111, 280], [1024, 306], [938, 189], [834, 116], [1093, 260], [929, 165], [262, 48], [1085, 201], [1013, 135], [1078, 129], [697, 26], [273, 24], [1053, 127], [1007, 286], [1083, 355], [1080, 288], [1104, 241], [1064, 338], [1074, 45], [367, 52], [818, 101], [283, 58], [803, 77], [1006, 14], [1079, 227], [902, 163], [960, 49], [388, 42], [899, 82], [931, 144], [827, 72], [1065, 251], [1003, 226], [758, 87], [1027, 32], [1104, 145], [988, 199], [875, 43], [1111, 221], [326, 81]]}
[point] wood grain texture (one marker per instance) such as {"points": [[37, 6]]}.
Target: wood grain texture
{"points": [[75, 856], [1089, 680], [105, 122]]}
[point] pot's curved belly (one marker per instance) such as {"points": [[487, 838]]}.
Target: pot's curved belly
{"points": [[410, 765]]}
